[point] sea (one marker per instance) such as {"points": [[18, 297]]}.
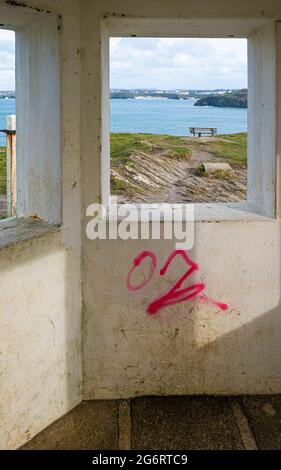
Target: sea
{"points": [[7, 108], [175, 117], [158, 116]]}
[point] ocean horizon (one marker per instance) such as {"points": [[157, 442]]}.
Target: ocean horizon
{"points": [[158, 116], [7, 108], [168, 116]]}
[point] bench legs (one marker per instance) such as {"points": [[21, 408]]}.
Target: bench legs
{"points": [[211, 133]]}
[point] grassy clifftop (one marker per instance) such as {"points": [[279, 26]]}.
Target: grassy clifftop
{"points": [[148, 167], [124, 145], [232, 147], [161, 168]]}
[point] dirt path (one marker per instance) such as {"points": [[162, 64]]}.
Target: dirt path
{"points": [[201, 189], [158, 177]]}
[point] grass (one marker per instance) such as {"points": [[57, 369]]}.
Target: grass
{"points": [[2, 170], [122, 146], [117, 185], [125, 145], [230, 147]]}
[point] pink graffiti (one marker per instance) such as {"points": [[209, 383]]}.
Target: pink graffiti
{"points": [[137, 262], [177, 294]]}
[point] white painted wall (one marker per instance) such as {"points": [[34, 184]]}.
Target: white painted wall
{"points": [[191, 348], [38, 88], [40, 311]]}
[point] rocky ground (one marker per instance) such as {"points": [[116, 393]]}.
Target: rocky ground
{"points": [[166, 170]]}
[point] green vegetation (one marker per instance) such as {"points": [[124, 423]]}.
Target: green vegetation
{"points": [[238, 95], [230, 147], [132, 94], [123, 146], [235, 99], [117, 185], [2, 170], [200, 170], [137, 158]]}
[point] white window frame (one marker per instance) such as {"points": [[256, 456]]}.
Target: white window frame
{"points": [[38, 112], [262, 114]]}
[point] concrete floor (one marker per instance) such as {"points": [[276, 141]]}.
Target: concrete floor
{"points": [[172, 423]]}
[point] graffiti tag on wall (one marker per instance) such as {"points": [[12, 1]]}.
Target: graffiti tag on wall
{"points": [[177, 294]]}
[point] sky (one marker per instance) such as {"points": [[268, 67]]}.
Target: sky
{"points": [[7, 60], [172, 63], [163, 63]]}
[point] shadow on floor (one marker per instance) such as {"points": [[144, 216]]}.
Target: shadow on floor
{"points": [[167, 423]]}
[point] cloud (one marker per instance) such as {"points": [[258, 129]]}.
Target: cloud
{"points": [[7, 60], [169, 63], [158, 62]]}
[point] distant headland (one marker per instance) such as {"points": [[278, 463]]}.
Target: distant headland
{"points": [[7, 95], [217, 97], [234, 99]]}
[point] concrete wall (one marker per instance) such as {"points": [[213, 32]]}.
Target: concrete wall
{"points": [[190, 348], [40, 312]]}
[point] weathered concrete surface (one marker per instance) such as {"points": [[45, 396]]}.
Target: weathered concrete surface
{"points": [[264, 416], [40, 279], [171, 423], [213, 168], [92, 425], [15, 230], [188, 349], [193, 349], [184, 423], [40, 345]]}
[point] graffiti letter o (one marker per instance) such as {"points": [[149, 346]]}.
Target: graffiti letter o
{"points": [[137, 262]]}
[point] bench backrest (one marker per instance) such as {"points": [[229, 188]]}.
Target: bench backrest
{"points": [[210, 129]]}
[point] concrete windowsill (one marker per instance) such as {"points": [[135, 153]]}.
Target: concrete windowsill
{"points": [[203, 212], [13, 231]]}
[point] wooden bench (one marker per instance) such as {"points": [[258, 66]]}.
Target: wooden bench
{"points": [[203, 131]]}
